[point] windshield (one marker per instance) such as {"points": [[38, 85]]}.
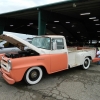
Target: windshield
{"points": [[42, 42]]}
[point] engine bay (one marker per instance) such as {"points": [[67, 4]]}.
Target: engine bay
{"points": [[24, 53]]}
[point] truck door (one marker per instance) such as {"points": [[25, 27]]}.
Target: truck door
{"points": [[59, 57]]}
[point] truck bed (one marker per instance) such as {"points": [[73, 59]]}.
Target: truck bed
{"points": [[77, 54], [79, 49]]}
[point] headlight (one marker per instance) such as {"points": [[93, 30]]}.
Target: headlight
{"points": [[9, 65]]}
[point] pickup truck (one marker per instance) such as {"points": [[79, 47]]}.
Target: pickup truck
{"points": [[47, 52]]}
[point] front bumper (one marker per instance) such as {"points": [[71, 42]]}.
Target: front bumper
{"points": [[6, 77]]}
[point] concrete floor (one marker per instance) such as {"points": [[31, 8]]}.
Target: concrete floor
{"points": [[72, 84]]}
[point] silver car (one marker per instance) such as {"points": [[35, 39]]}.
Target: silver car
{"points": [[6, 47]]}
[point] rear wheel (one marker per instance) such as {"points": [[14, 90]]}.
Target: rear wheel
{"points": [[86, 63], [33, 75]]}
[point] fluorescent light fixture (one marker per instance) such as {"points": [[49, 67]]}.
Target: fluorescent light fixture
{"points": [[92, 18], [97, 24], [96, 20], [56, 21], [67, 22], [47, 33], [53, 27], [46, 24], [78, 32], [73, 25], [98, 31], [98, 36], [85, 13], [11, 25], [61, 32], [74, 5], [30, 23]]}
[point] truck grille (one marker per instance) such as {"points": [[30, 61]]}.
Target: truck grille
{"points": [[4, 64]]}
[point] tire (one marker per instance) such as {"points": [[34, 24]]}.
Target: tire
{"points": [[33, 75], [86, 63]]}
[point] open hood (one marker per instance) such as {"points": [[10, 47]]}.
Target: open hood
{"points": [[18, 42]]}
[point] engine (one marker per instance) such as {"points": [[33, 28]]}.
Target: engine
{"points": [[24, 53]]}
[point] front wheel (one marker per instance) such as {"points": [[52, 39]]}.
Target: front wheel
{"points": [[33, 75], [86, 63]]}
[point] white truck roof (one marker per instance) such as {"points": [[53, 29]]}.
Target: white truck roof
{"points": [[51, 36]]}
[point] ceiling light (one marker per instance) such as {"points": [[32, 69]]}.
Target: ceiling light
{"points": [[78, 32], [67, 22], [74, 5], [97, 24], [11, 25], [98, 36], [56, 21], [96, 20], [73, 25], [46, 24], [92, 18], [98, 31], [53, 27], [30, 23], [47, 33], [61, 32], [85, 13]]}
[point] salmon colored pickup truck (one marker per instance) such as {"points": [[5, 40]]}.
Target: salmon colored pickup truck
{"points": [[47, 52]]}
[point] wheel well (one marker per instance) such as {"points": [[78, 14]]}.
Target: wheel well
{"points": [[43, 69], [68, 66], [89, 57]]}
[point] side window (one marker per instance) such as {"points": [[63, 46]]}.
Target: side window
{"points": [[59, 43]]}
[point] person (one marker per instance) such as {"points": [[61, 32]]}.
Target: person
{"points": [[98, 55]]}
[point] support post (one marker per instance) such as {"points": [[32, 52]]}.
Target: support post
{"points": [[41, 23], [2, 24]]}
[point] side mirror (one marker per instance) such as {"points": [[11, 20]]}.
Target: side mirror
{"points": [[54, 45]]}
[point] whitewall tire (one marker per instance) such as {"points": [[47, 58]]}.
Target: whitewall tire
{"points": [[33, 75], [86, 63]]}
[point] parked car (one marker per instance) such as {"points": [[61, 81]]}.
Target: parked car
{"points": [[6, 47]]}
